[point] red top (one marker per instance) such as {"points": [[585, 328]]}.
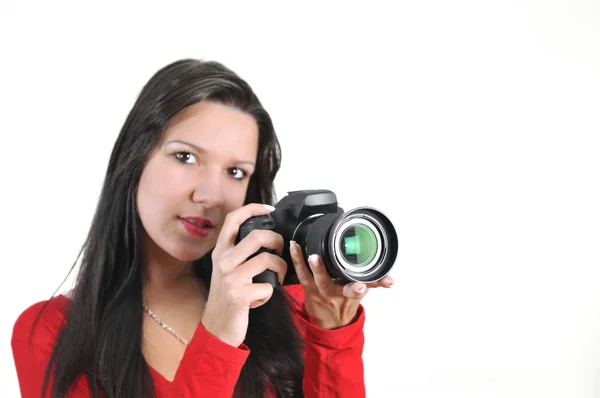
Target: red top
{"points": [[333, 364]]}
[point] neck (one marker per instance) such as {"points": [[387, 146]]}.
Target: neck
{"points": [[170, 284], [162, 276], [162, 271], [167, 282]]}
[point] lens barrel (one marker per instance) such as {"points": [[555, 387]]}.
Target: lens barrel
{"points": [[358, 245]]}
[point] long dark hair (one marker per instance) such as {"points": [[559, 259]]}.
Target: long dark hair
{"points": [[106, 304]]}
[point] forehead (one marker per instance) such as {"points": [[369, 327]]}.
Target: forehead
{"points": [[217, 128]]}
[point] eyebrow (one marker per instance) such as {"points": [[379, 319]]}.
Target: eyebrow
{"points": [[202, 150]]}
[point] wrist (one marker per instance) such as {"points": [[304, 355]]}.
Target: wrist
{"points": [[333, 318], [224, 336]]}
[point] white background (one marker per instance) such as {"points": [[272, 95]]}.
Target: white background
{"points": [[473, 124]]}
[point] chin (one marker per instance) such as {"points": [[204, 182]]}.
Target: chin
{"points": [[187, 248], [187, 256]]}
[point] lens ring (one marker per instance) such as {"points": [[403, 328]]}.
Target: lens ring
{"points": [[307, 220], [375, 227]]}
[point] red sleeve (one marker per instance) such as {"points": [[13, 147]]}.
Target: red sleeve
{"points": [[210, 367], [31, 358], [333, 365]]}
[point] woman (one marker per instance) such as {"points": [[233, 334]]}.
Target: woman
{"points": [[164, 303]]}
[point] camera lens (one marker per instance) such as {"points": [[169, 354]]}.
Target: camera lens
{"points": [[359, 243], [363, 245]]}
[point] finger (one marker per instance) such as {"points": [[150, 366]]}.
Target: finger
{"points": [[256, 239], [231, 225], [323, 281], [386, 282], [260, 263], [304, 276], [356, 290], [256, 294]]}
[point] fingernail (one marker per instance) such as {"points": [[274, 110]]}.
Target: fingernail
{"points": [[313, 260], [269, 207], [360, 289], [293, 248]]}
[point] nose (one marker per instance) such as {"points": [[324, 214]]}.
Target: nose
{"points": [[208, 190]]}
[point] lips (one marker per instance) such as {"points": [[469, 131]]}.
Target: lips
{"points": [[197, 226], [199, 221]]}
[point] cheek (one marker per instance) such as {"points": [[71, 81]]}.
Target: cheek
{"points": [[146, 202], [154, 191], [236, 194]]}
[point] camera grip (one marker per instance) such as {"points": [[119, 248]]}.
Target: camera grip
{"points": [[267, 276], [260, 222]]}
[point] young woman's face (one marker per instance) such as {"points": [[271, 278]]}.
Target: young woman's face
{"points": [[196, 176]]}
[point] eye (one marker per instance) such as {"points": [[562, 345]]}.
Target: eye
{"points": [[237, 173], [185, 157]]}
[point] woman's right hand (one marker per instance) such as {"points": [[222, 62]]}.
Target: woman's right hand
{"points": [[232, 293]]}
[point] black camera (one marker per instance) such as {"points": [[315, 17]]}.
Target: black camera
{"points": [[358, 245]]}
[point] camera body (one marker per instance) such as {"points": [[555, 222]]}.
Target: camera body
{"points": [[359, 245]]}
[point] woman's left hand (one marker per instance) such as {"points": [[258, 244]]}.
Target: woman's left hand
{"points": [[328, 304]]}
